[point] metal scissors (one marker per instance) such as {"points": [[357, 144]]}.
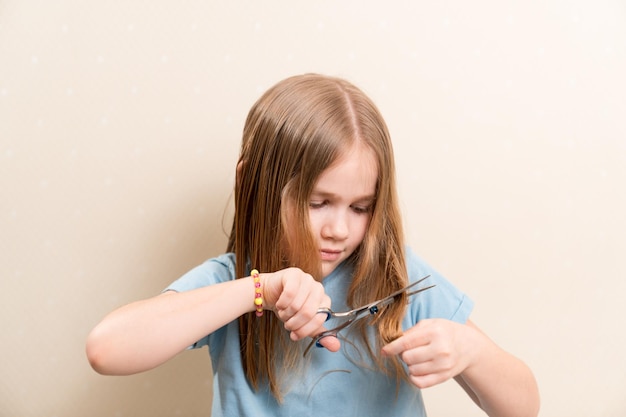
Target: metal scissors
{"points": [[359, 313]]}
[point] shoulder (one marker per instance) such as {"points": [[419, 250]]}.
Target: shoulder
{"points": [[417, 267], [444, 300], [212, 271]]}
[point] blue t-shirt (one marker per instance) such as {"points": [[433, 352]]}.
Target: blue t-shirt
{"points": [[332, 384]]}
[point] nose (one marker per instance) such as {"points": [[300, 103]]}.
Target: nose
{"points": [[336, 226]]}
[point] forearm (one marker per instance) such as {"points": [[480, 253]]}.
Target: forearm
{"points": [[147, 333], [501, 384]]}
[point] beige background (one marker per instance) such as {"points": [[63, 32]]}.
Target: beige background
{"points": [[120, 124]]}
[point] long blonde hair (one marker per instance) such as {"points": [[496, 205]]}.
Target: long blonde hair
{"points": [[297, 129]]}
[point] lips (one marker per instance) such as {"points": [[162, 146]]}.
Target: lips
{"points": [[330, 254]]}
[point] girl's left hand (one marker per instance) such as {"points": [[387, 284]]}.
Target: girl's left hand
{"points": [[434, 350]]}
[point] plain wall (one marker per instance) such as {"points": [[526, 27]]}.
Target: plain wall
{"points": [[120, 124]]}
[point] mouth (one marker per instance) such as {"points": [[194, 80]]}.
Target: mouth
{"points": [[330, 254]]}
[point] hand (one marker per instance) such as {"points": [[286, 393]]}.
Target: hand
{"points": [[295, 297], [434, 350]]}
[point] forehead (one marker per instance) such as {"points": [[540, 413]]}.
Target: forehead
{"points": [[354, 174]]}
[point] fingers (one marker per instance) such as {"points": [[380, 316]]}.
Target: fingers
{"points": [[299, 313], [299, 296], [295, 297], [412, 338], [330, 342], [429, 351]]}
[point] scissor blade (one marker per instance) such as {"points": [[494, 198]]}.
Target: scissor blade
{"points": [[420, 290], [391, 297], [359, 313]]}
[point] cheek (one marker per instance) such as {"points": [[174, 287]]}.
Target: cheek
{"points": [[360, 226], [315, 222]]}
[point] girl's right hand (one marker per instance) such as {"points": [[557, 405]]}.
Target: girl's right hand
{"points": [[295, 296]]}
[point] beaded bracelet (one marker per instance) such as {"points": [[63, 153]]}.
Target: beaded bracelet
{"points": [[258, 297]]}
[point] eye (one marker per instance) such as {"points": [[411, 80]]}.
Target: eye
{"points": [[362, 209], [317, 204]]}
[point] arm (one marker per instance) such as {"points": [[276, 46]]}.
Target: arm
{"points": [[501, 384], [144, 334], [436, 350]]}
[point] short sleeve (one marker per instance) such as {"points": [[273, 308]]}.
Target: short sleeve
{"points": [[212, 271], [444, 300]]}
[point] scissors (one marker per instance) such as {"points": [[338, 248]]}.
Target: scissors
{"points": [[351, 316]]}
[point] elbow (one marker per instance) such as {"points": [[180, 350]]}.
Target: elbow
{"points": [[537, 400], [94, 354], [98, 354], [110, 354]]}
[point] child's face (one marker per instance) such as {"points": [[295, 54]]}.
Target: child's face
{"points": [[341, 204]]}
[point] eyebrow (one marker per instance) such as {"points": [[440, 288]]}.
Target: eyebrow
{"points": [[329, 195]]}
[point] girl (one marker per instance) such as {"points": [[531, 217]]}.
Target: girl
{"points": [[316, 212]]}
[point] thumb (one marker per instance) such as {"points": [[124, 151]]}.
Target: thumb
{"points": [[331, 343]]}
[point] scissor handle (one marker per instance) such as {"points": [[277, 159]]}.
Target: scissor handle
{"points": [[316, 339], [325, 310], [332, 332]]}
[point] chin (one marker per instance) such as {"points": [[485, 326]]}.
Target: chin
{"points": [[328, 268]]}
